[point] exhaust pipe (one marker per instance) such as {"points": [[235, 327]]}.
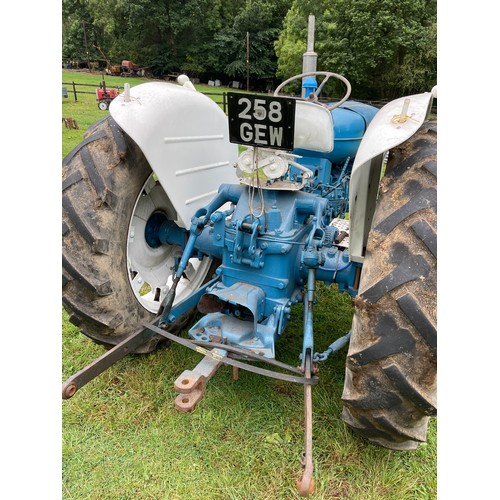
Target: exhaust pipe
{"points": [[309, 60]]}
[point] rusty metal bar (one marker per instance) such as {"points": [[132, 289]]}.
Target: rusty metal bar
{"points": [[306, 483], [109, 358]]}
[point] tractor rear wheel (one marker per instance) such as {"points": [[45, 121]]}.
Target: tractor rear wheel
{"points": [[113, 280], [390, 385]]}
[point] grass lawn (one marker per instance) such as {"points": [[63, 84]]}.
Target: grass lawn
{"points": [[123, 439]]}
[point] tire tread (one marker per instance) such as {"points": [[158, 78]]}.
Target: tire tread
{"points": [[390, 387]]}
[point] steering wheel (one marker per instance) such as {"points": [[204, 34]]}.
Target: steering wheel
{"points": [[314, 95]]}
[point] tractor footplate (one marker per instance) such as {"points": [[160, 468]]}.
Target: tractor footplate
{"points": [[191, 383]]}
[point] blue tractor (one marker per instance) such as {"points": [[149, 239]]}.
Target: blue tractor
{"points": [[171, 208]]}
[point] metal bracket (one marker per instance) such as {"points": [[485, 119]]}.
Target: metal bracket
{"points": [[191, 383]]}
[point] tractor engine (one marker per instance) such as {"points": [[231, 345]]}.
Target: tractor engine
{"points": [[268, 241], [284, 228]]}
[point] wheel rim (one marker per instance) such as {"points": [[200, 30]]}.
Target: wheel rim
{"points": [[150, 270]]}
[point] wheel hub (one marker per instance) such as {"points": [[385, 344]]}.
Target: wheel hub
{"points": [[152, 230], [151, 263]]}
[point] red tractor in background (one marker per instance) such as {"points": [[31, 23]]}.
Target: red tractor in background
{"points": [[105, 96]]}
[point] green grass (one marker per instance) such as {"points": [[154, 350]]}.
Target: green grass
{"points": [[123, 438]]}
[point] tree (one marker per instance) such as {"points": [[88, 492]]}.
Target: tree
{"points": [[196, 36], [263, 21], [384, 47], [78, 33]]}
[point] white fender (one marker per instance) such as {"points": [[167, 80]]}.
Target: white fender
{"points": [[185, 138], [396, 122]]}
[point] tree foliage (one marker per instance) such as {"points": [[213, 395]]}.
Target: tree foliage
{"points": [[262, 20], [197, 36], [384, 47]]}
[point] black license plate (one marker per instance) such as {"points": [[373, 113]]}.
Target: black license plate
{"points": [[261, 121]]}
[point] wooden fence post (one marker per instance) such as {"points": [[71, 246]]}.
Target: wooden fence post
{"points": [[74, 90]]}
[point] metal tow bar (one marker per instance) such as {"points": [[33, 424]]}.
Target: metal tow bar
{"points": [[306, 483]]}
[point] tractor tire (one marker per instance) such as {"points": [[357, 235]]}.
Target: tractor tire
{"points": [[103, 105], [390, 384], [113, 281]]}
